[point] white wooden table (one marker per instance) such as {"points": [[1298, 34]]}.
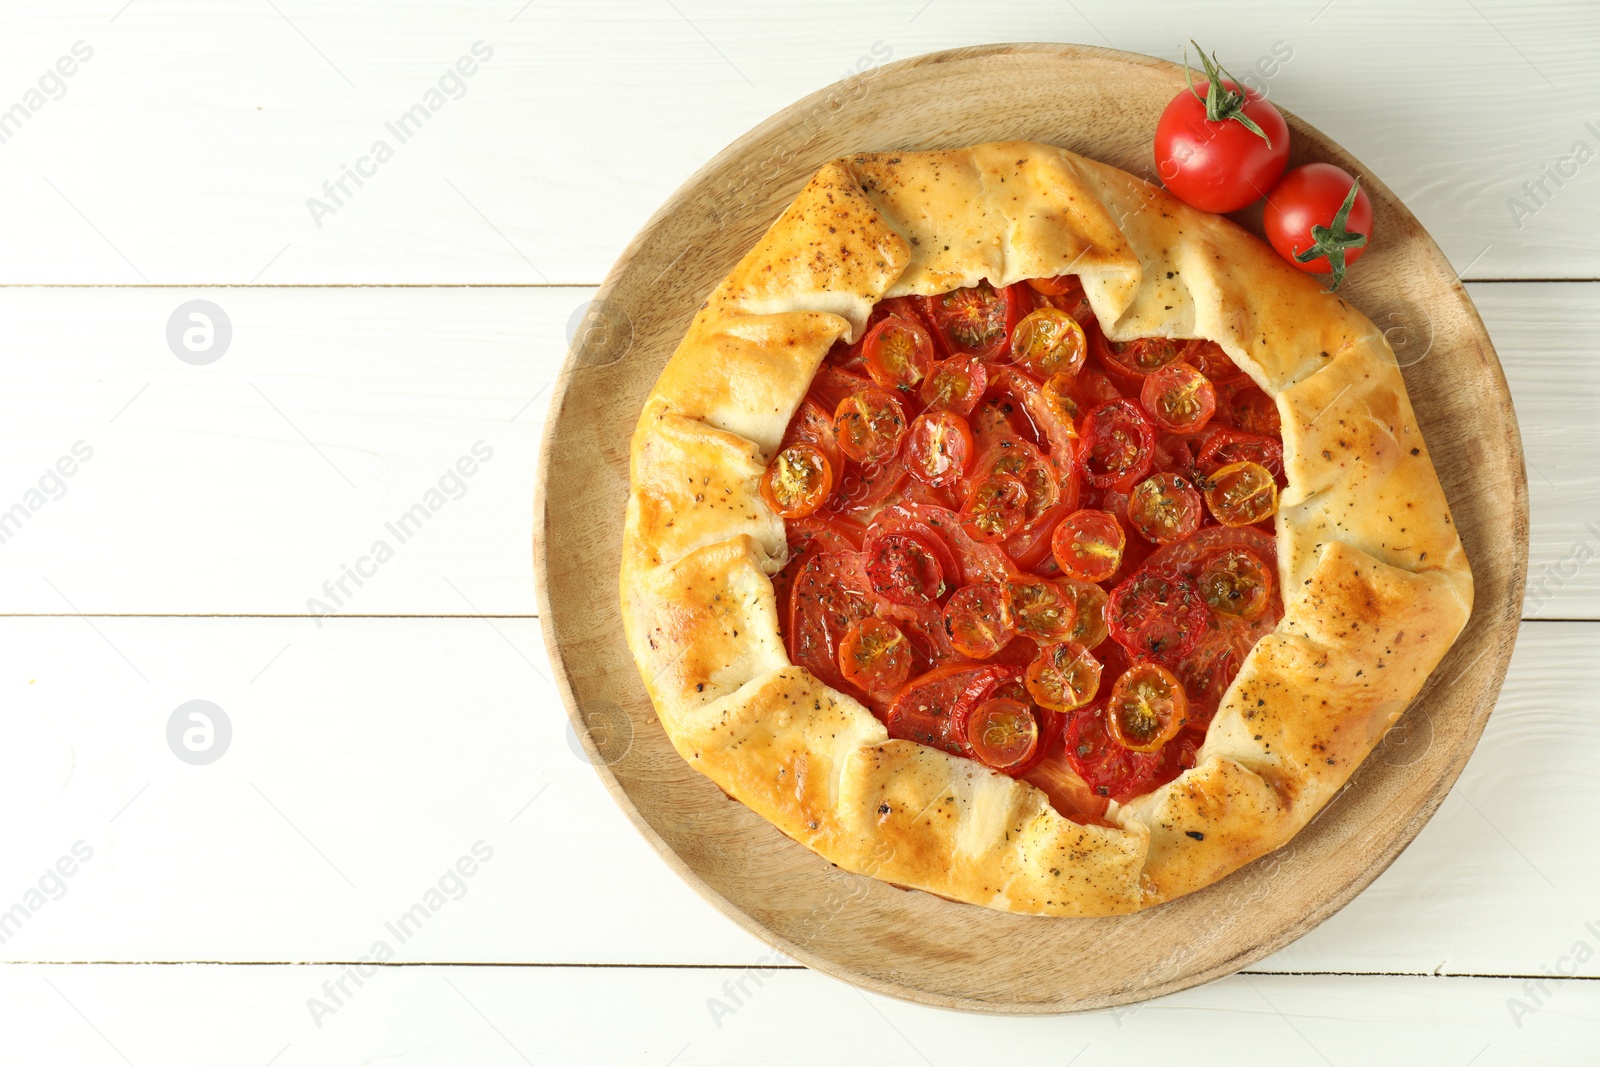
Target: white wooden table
{"points": [[174, 530]]}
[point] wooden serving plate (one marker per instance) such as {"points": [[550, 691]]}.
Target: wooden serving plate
{"points": [[913, 945]]}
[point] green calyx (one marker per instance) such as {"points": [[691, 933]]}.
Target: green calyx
{"points": [[1332, 241], [1221, 102]]}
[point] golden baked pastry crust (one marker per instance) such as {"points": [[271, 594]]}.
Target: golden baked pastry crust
{"points": [[1376, 585]]}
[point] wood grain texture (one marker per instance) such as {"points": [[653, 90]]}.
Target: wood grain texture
{"points": [[914, 945]]}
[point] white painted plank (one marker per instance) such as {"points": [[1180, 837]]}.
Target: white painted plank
{"points": [[369, 755], [418, 1017], [187, 147], [203, 496]]}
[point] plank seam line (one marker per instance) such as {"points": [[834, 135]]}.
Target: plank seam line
{"points": [[721, 967]]}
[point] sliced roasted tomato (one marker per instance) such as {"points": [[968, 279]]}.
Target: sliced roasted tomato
{"points": [[875, 655], [1242, 494], [939, 448], [832, 385], [977, 561], [1147, 708], [1110, 770], [813, 425], [995, 508], [860, 489], [1050, 341], [798, 481], [1063, 676], [1136, 359], [1002, 732], [1088, 545], [1213, 362], [870, 424], [932, 709], [1253, 411], [897, 352], [1156, 615], [831, 593], [1235, 582], [977, 320], [1041, 608], [1224, 446], [955, 385], [909, 563], [1187, 557], [977, 620], [1178, 398], [1118, 444], [1166, 508], [1089, 627]]}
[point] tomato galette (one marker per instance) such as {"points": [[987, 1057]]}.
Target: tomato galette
{"points": [[1005, 528]]}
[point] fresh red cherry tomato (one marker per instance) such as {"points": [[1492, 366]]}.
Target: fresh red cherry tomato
{"points": [[977, 620], [939, 448], [897, 352], [1320, 219], [797, 481], [1147, 708], [1220, 147], [875, 655], [977, 320], [870, 425], [1178, 398], [1088, 545], [1003, 732]]}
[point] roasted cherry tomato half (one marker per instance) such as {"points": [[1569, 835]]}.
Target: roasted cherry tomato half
{"points": [[897, 352], [977, 620], [995, 507], [1147, 708], [1063, 676], [1155, 615], [1041, 608], [977, 320], [955, 385], [1118, 444], [909, 563], [1165, 508], [797, 481], [939, 448], [1050, 341], [1242, 494], [1002, 732], [1023, 462], [875, 655], [1089, 607], [1253, 411], [1235, 582], [870, 425], [1088, 545], [1178, 398]]}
